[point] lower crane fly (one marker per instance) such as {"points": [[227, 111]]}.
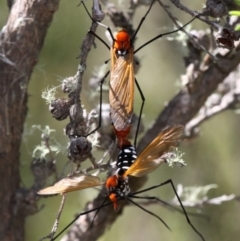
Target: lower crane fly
{"points": [[128, 164]]}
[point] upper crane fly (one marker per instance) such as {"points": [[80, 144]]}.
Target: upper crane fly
{"points": [[122, 78]]}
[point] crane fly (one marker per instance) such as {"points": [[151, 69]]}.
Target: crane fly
{"points": [[128, 164], [150, 158], [122, 78]]}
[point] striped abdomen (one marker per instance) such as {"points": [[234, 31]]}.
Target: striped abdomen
{"points": [[126, 156]]}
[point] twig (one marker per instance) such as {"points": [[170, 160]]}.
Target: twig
{"points": [[216, 104], [189, 35], [55, 225], [189, 11], [77, 130]]}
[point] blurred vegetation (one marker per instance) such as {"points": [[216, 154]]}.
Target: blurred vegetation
{"points": [[213, 158]]}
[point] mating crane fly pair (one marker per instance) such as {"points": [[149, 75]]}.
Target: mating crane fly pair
{"points": [[121, 95]]}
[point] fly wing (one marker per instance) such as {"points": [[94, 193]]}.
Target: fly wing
{"points": [[121, 93], [70, 184], [150, 158]]}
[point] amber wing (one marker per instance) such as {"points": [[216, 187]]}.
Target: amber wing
{"points": [[121, 93], [71, 184], [150, 158]]}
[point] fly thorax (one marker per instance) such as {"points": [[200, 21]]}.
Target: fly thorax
{"points": [[126, 156]]}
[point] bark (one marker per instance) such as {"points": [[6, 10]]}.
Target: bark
{"points": [[21, 41]]}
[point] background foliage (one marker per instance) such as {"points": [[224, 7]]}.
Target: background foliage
{"points": [[213, 157]]}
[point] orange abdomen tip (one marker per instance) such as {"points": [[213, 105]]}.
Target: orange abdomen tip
{"points": [[111, 182], [122, 40], [113, 198]]}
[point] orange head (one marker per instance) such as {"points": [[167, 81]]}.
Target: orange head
{"points": [[118, 188], [112, 183], [122, 43]]}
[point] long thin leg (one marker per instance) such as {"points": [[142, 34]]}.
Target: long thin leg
{"points": [[95, 215], [163, 34], [170, 206], [103, 25], [141, 22], [100, 106], [169, 181], [81, 214], [151, 213], [141, 109], [100, 39]]}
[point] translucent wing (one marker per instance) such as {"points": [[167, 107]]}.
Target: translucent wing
{"points": [[150, 158], [121, 91], [70, 184]]}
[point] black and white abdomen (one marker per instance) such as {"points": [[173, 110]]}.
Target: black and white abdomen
{"points": [[126, 156]]}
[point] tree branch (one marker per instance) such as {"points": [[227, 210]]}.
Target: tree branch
{"points": [[21, 40]]}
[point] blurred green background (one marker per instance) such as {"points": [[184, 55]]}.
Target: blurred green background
{"points": [[211, 158]]}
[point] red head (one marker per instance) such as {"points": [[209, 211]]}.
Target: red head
{"points": [[118, 188], [122, 42], [111, 183]]}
